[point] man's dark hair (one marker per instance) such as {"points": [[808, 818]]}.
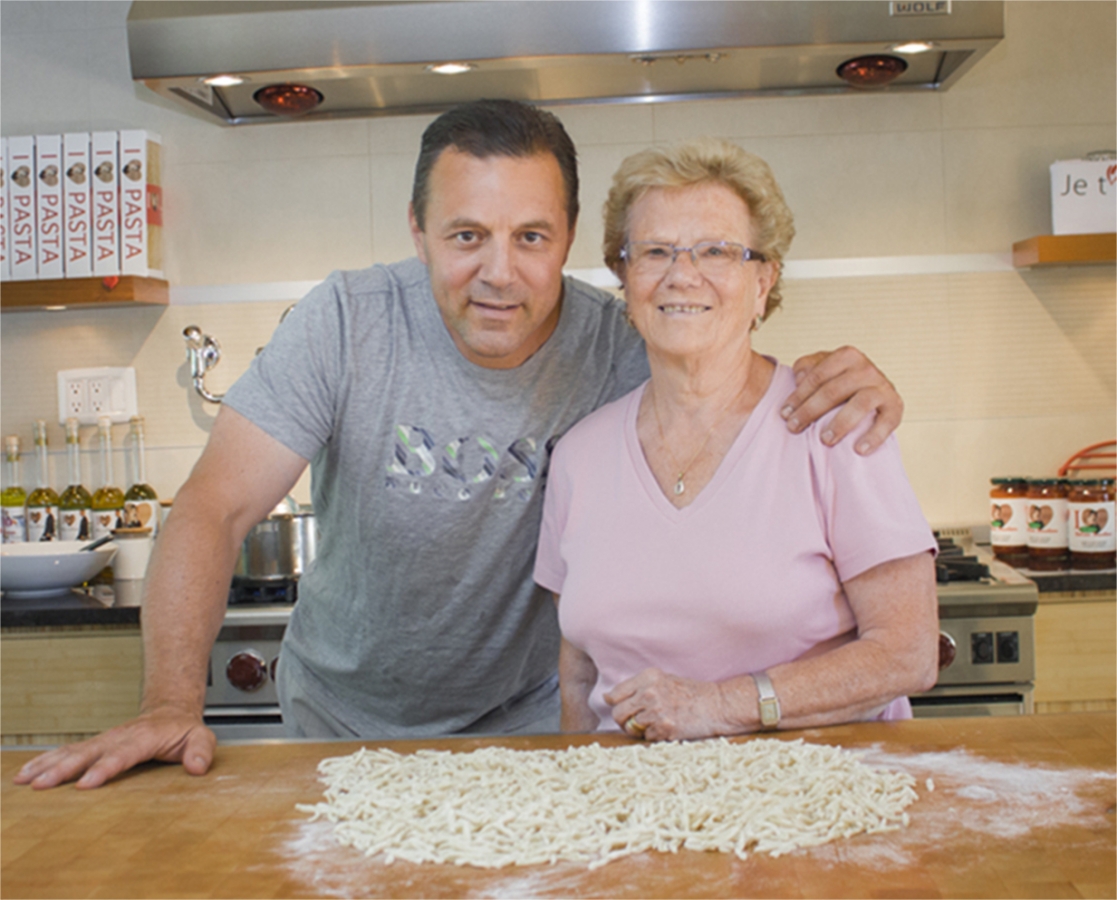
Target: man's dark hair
{"points": [[487, 128]]}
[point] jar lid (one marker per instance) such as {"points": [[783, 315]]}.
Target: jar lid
{"points": [[1013, 479], [1047, 480]]}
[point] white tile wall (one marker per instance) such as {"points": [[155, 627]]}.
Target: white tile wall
{"points": [[1002, 372]]}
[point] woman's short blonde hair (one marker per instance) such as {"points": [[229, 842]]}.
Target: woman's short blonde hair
{"points": [[695, 162]]}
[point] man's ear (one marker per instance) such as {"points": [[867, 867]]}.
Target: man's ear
{"points": [[417, 235]]}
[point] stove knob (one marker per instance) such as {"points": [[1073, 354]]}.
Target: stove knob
{"points": [[947, 650], [247, 671]]}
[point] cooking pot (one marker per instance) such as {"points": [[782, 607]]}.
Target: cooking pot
{"points": [[280, 547]]}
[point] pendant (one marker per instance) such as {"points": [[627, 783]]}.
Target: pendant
{"points": [[679, 486]]}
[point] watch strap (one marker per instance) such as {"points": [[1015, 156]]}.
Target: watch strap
{"points": [[769, 702]]}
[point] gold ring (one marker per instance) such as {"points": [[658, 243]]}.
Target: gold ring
{"points": [[635, 728]]}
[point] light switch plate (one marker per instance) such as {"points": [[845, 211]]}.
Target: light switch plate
{"points": [[88, 394]]}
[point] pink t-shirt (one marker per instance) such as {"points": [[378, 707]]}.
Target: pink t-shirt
{"points": [[747, 576]]}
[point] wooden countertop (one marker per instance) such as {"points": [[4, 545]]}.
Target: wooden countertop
{"points": [[1021, 806]]}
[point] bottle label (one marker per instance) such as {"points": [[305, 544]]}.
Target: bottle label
{"points": [[142, 514], [106, 521], [1008, 522], [15, 524], [1091, 527], [42, 523], [1047, 523], [74, 525]]}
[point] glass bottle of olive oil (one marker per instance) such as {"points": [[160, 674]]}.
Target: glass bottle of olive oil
{"points": [[108, 499], [42, 503], [13, 498], [76, 502], [141, 503]]}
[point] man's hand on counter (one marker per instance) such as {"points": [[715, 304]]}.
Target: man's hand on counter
{"points": [[163, 735]]}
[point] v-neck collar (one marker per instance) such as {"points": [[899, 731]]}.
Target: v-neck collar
{"points": [[738, 448]]}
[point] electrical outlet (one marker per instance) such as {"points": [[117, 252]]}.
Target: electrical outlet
{"points": [[88, 394], [75, 396]]}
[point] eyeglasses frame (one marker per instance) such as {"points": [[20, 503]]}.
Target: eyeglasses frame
{"points": [[747, 253]]}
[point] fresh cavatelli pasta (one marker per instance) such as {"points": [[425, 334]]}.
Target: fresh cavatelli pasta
{"points": [[498, 807]]}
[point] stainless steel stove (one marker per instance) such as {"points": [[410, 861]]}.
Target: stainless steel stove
{"points": [[986, 636], [986, 646], [241, 699]]}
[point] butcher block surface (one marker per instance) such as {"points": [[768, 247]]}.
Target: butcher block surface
{"points": [[1020, 807]]}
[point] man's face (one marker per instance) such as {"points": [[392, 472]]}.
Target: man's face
{"points": [[495, 241]]}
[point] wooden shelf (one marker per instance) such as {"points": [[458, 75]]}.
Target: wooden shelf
{"points": [[84, 293], [1064, 250]]}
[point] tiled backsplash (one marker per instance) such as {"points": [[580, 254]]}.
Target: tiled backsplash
{"points": [[1003, 372]]}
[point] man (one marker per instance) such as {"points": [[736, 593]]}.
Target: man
{"points": [[427, 395]]}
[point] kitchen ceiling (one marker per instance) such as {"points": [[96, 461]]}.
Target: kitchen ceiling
{"points": [[376, 58]]}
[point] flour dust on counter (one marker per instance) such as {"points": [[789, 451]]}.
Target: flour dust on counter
{"points": [[497, 807], [1001, 801]]}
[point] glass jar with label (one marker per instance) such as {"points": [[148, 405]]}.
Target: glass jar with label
{"points": [[1090, 526], [1047, 524], [1008, 519]]}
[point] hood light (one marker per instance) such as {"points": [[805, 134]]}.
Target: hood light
{"points": [[913, 47], [223, 80], [288, 99], [54, 308], [451, 68], [872, 71]]}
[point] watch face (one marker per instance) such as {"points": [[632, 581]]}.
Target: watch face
{"points": [[769, 712]]}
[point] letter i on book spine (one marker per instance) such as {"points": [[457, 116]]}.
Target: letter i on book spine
{"points": [[5, 235], [106, 204], [21, 208], [77, 205], [48, 204], [141, 204]]}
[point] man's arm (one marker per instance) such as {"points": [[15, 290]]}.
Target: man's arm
{"points": [[846, 375], [239, 478]]}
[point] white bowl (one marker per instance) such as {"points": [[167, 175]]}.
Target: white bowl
{"points": [[51, 567]]}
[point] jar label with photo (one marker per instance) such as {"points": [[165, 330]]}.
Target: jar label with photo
{"points": [[15, 524], [74, 525], [142, 514], [42, 523], [106, 521], [1008, 522], [1047, 522], [1091, 527]]}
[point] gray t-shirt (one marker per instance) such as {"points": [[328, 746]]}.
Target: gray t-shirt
{"points": [[420, 616]]}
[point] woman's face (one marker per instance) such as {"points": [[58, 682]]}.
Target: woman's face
{"points": [[683, 311]]}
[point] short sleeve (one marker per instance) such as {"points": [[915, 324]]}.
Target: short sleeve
{"points": [[550, 568], [291, 388], [870, 512]]}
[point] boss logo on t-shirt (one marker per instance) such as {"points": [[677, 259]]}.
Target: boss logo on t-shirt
{"points": [[465, 468]]}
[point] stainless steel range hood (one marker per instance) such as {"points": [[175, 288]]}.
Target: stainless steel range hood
{"points": [[376, 58]]}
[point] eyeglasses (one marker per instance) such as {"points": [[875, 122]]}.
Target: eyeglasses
{"points": [[709, 257]]}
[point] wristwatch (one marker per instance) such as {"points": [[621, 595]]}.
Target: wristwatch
{"points": [[769, 702]]}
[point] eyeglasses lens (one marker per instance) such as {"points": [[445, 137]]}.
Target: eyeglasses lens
{"points": [[709, 257]]}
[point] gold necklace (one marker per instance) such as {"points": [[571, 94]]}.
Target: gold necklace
{"points": [[680, 485]]}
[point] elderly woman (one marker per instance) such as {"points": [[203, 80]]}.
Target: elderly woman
{"points": [[716, 574]]}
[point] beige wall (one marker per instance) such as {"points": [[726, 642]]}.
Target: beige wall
{"points": [[1003, 372]]}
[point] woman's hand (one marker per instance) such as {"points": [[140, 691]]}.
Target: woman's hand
{"points": [[826, 380], [667, 708]]}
